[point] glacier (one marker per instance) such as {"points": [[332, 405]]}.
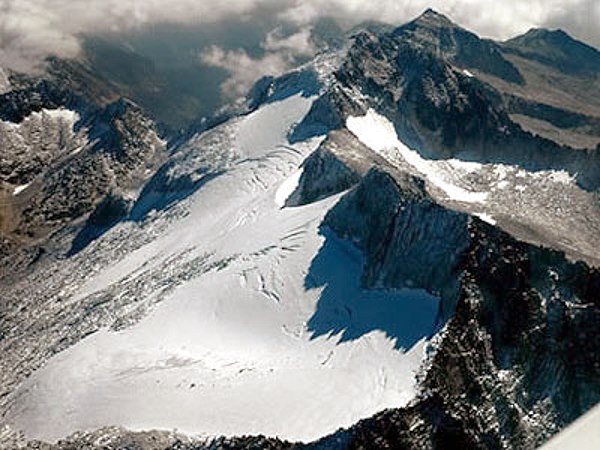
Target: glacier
{"points": [[239, 347]]}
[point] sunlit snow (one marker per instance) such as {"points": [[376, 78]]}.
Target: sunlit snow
{"points": [[243, 347], [18, 189], [287, 188], [378, 133]]}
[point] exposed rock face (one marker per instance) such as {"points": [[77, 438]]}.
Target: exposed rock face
{"points": [[337, 165], [433, 32], [40, 140], [122, 146], [62, 156], [517, 361], [28, 95], [409, 240], [414, 75], [557, 49]]}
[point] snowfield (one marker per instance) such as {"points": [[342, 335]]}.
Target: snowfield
{"points": [[271, 335], [379, 134]]}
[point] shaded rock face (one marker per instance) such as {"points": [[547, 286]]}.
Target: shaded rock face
{"points": [[518, 359], [414, 76], [560, 118], [433, 32], [409, 240], [28, 95], [324, 175], [338, 164]]}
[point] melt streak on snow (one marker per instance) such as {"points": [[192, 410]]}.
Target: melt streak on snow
{"points": [[230, 351], [378, 133]]}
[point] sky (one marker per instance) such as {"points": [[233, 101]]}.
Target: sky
{"points": [[30, 30]]}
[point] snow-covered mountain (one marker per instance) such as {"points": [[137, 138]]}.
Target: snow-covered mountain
{"points": [[375, 251]]}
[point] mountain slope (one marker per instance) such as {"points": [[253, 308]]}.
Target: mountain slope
{"points": [[375, 231]]}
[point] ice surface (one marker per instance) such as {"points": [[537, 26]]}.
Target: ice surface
{"points": [[276, 338]]}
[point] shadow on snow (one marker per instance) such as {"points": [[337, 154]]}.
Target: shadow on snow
{"points": [[405, 315]]}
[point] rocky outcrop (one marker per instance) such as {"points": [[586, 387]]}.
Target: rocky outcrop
{"points": [[518, 359], [435, 33], [415, 77], [124, 148], [60, 164], [338, 164], [409, 241], [556, 49]]}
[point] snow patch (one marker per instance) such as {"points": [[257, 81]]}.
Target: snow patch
{"points": [[287, 188], [561, 176], [77, 150], [61, 114], [486, 218], [378, 133], [465, 166], [18, 189]]}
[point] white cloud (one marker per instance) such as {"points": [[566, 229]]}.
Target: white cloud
{"points": [[31, 29], [299, 43], [243, 69], [491, 18], [281, 54]]}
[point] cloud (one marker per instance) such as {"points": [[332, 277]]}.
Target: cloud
{"points": [[32, 29], [299, 43], [490, 18], [281, 53], [582, 19]]}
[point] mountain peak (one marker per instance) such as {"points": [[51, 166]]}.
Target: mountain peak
{"points": [[431, 17], [543, 34], [558, 49]]}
